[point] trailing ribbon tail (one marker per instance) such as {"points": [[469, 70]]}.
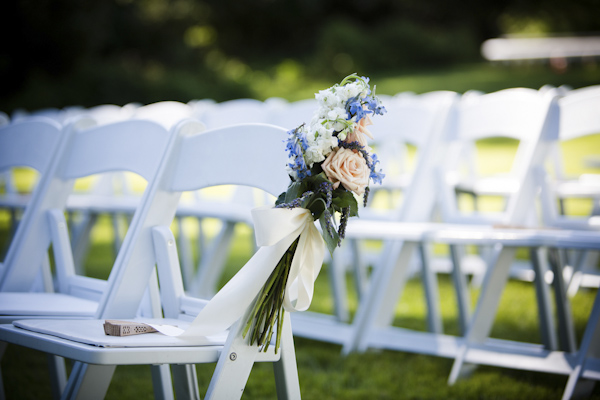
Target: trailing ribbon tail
{"points": [[275, 230]]}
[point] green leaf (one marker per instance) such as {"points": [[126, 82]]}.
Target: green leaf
{"points": [[293, 192], [330, 241], [280, 199], [316, 205], [343, 198]]}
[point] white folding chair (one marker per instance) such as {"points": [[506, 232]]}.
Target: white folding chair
{"points": [[246, 155], [113, 194], [545, 122], [374, 316], [228, 209], [580, 117], [136, 146], [28, 143], [421, 120], [500, 114]]}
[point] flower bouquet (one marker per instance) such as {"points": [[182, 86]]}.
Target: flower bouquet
{"points": [[330, 165]]}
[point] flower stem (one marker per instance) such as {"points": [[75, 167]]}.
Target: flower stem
{"points": [[268, 311]]}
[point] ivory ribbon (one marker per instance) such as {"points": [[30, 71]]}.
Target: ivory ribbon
{"points": [[275, 230]]}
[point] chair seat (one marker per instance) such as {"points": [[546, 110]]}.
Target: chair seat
{"points": [[46, 304], [90, 345], [92, 332], [91, 354], [480, 235]]}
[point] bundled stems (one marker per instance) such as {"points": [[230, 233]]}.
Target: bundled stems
{"points": [[268, 307]]}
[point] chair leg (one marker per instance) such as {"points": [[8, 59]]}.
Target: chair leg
{"points": [[487, 306], [432, 297], [234, 366], [577, 386], [80, 240], [337, 280], [88, 382], [360, 269], [584, 259], [185, 252], [58, 375], [566, 330], [377, 307], [185, 382], [547, 328], [286, 370], [161, 382], [3, 346], [462, 291], [212, 263]]}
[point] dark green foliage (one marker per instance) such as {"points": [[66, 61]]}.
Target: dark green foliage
{"points": [[58, 53]]}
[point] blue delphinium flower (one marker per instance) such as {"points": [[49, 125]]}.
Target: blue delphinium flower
{"points": [[375, 106], [354, 107], [296, 145], [376, 176]]}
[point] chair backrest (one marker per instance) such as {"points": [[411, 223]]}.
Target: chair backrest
{"points": [[165, 113], [26, 143], [135, 146], [420, 121], [410, 121], [527, 115], [579, 117], [580, 113], [29, 142], [238, 111], [248, 154], [293, 114], [108, 113]]}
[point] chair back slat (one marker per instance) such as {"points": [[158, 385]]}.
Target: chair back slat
{"points": [[580, 114], [516, 113], [28, 143], [236, 155], [133, 145]]}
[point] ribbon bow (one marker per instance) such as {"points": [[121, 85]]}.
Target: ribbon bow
{"points": [[275, 230]]}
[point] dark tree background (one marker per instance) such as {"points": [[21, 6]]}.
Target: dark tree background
{"points": [[62, 52]]}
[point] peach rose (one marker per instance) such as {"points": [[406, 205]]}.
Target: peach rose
{"points": [[360, 133], [349, 168]]}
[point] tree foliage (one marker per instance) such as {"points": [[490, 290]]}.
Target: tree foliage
{"points": [[143, 50]]}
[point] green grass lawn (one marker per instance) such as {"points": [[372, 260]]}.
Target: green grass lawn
{"points": [[324, 373]]}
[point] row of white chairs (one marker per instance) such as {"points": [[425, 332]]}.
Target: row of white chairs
{"points": [[447, 119], [184, 159], [540, 120], [113, 194]]}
